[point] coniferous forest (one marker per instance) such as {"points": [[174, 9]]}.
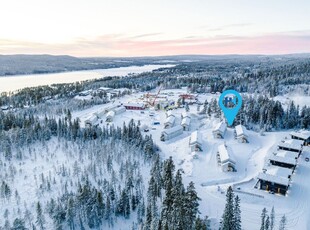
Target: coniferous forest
{"points": [[57, 174]]}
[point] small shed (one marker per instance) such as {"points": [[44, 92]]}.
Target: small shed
{"points": [[195, 142], [169, 113], [241, 134], [110, 116], [219, 130], [169, 122], [225, 159], [186, 123], [91, 120]]}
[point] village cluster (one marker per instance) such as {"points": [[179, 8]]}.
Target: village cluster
{"points": [[173, 115]]}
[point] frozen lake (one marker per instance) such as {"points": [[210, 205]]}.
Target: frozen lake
{"points": [[12, 83]]}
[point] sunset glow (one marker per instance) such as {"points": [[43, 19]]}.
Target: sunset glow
{"points": [[149, 28]]}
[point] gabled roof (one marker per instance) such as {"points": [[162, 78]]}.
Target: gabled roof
{"points": [[225, 154], [195, 138], [170, 120], [220, 127], [170, 113], [174, 129], [241, 130], [185, 114], [186, 121], [111, 113]]}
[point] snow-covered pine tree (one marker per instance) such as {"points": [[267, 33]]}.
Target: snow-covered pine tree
{"points": [[237, 214], [166, 213], [263, 219], [282, 225], [191, 206], [228, 215], [40, 221], [272, 217]]}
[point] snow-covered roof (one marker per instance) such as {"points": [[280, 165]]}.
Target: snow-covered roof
{"points": [[104, 88], [121, 108], [186, 114], [220, 127], [291, 143], [241, 130], [195, 138], [111, 113], [302, 134], [186, 121], [286, 158], [111, 107], [287, 154], [91, 119], [170, 120], [176, 128], [169, 113], [277, 175], [135, 105], [225, 154]]}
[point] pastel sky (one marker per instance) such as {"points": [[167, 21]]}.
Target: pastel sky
{"points": [[154, 27]]}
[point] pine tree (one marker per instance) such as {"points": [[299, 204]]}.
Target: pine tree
{"points": [[263, 219], [228, 215], [166, 213], [178, 205], [200, 224], [282, 225], [272, 216], [267, 223], [191, 205], [18, 224], [237, 214], [40, 217], [70, 213]]}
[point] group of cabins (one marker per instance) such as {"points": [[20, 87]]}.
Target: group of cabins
{"points": [[110, 114], [171, 130], [282, 163], [225, 157], [240, 132]]}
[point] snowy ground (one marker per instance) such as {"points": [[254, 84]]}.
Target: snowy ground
{"points": [[210, 181]]}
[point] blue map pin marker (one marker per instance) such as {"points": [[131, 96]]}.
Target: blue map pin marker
{"points": [[230, 102]]}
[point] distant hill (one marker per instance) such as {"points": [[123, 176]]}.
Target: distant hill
{"points": [[38, 64]]}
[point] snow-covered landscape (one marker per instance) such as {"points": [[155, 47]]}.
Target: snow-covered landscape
{"points": [[102, 153]]}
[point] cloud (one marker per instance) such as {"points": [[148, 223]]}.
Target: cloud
{"points": [[147, 45], [224, 27]]}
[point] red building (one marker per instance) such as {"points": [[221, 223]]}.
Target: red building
{"points": [[131, 106]]}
